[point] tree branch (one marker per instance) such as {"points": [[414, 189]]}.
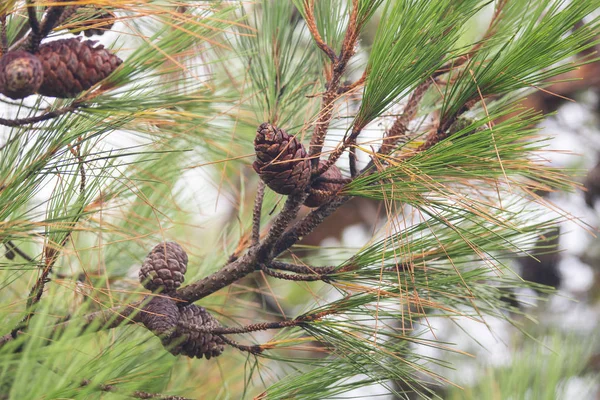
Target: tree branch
{"points": [[293, 277], [306, 225], [33, 20], [302, 269], [39, 118], [326, 112], [314, 31], [256, 214]]}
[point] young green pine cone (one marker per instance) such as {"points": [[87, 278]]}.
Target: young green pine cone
{"points": [[21, 74], [91, 21], [190, 342], [72, 66], [281, 161], [322, 191], [164, 267]]}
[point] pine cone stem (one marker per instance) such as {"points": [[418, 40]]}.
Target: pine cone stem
{"points": [[33, 20], [285, 217], [293, 277], [302, 269]]}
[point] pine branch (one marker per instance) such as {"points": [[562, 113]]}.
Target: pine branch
{"points": [[302, 269], [32, 14], [292, 277], [256, 213], [309, 8], [327, 103], [43, 117]]}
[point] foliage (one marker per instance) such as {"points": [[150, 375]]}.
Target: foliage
{"points": [[161, 151]]}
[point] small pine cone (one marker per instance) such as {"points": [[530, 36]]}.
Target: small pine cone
{"points": [[21, 74], [160, 315], [164, 267], [72, 66], [281, 161], [322, 192], [92, 21], [192, 343]]}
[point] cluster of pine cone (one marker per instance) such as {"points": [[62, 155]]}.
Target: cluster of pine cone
{"points": [[283, 165], [163, 272], [62, 68]]}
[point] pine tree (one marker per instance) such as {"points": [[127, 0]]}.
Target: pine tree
{"points": [[288, 111]]}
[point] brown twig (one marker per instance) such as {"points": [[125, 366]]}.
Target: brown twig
{"points": [[3, 39], [39, 118], [34, 24], [302, 269], [33, 39], [293, 277], [348, 141], [287, 215], [314, 31], [326, 113], [252, 349], [442, 132], [263, 326], [306, 225], [400, 126], [256, 214]]}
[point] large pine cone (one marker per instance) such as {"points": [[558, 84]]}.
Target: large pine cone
{"points": [[72, 66], [21, 74], [164, 267], [281, 160], [322, 191], [192, 343]]}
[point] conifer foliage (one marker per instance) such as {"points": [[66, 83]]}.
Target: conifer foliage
{"points": [[111, 147]]}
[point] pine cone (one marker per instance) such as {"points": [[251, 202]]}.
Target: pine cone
{"points": [[92, 21], [164, 267], [322, 192], [192, 343], [72, 66], [160, 315], [281, 160], [21, 74]]}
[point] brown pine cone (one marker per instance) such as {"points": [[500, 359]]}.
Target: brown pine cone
{"points": [[91, 21], [321, 192], [72, 66], [281, 161], [160, 315], [192, 343], [164, 267], [21, 74]]}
